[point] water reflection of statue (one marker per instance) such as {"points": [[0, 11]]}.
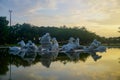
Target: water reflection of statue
{"points": [[29, 59], [94, 47], [47, 58], [73, 56], [45, 62]]}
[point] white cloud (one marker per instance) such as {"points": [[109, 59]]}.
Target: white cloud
{"points": [[63, 12]]}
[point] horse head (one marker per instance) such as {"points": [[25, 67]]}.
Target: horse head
{"points": [[45, 38], [21, 43], [94, 44], [71, 40]]}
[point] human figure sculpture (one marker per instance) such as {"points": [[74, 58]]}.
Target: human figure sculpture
{"points": [[55, 48], [77, 43], [55, 45], [46, 41], [48, 45]]}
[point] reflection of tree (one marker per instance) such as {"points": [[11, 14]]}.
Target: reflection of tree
{"points": [[119, 60], [74, 58], [44, 59], [83, 57], [4, 62]]}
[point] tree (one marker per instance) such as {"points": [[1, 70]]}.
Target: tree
{"points": [[3, 30]]}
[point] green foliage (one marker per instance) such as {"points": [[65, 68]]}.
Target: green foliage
{"points": [[30, 32], [17, 32], [3, 30]]}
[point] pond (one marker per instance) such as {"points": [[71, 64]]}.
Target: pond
{"points": [[61, 68]]}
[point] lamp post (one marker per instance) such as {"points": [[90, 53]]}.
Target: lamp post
{"points": [[10, 11]]}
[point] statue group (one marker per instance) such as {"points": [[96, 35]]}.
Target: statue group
{"points": [[50, 46]]}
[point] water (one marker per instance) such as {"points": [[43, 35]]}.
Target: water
{"points": [[62, 68]]}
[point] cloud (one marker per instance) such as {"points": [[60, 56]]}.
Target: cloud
{"points": [[26, 6], [63, 12]]}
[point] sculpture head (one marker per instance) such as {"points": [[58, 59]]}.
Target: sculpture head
{"points": [[77, 42], [30, 42], [54, 40], [45, 38], [71, 40], [96, 43], [22, 43], [47, 34]]}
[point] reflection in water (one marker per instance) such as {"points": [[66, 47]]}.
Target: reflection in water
{"points": [[108, 65], [45, 62], [10, 78], [119, 60], [45, 59]]}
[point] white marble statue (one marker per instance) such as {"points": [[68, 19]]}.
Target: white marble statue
{"points": [[24, 49], [31, 46], [21, 43], [94, 44], [71, 45], [77, 43], [48, 46], [46, 41], [55, 45], [94, 47], [55, 48], [16, 50]]}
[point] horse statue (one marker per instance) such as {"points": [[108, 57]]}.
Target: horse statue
{"points": [[71, 45], [16, 50], [24, 49], [94, 47], [29, 49]]}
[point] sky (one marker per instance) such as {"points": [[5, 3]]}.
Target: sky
{"points": [[99, 16]]}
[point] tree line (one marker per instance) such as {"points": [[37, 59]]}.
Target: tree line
{"points": [[13, 34]]}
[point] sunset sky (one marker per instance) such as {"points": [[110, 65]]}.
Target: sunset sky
{"points": [[99, 16]]}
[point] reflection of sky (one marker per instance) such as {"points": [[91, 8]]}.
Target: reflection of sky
{"points": [[107, 68]]}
